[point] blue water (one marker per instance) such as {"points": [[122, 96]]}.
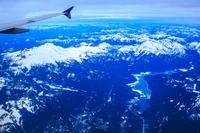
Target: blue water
{"points": [[143, 86]]}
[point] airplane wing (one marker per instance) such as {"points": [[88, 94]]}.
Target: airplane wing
{"points": [[15, 26]]}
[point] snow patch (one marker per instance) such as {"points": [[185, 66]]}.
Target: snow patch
{"points": [[41, 93], [26, 103], [85, 44], [195, 46], [54, 40], [115, 37], [4, 117], [59, 87], [2, 82], [37, 81], [138, 91], [183, 70], [71, 75], [9, 117]]}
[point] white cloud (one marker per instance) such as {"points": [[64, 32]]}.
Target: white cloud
{"points": [[103, 8]]}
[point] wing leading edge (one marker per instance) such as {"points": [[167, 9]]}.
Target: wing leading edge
{"points": [[14, 27]]}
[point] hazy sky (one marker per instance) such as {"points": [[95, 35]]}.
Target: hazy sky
{"points": [[12, 9]]}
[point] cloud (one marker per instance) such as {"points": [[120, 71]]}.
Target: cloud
{"points": [[169, 3], [106, 8]]}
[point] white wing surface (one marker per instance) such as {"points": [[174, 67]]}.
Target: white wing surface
{"points": [[15, 26]]}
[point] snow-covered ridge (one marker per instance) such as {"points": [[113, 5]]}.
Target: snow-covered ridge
{"points": [[12, 111], [51, 54], [156, 47], [119, 35], [11, 115], [127, 37]]}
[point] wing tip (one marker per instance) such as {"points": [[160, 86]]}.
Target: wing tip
{"points": [[68, 10]]}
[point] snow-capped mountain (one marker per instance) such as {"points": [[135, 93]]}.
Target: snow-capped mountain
{"points": [[98, 77], [51, 54]]}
